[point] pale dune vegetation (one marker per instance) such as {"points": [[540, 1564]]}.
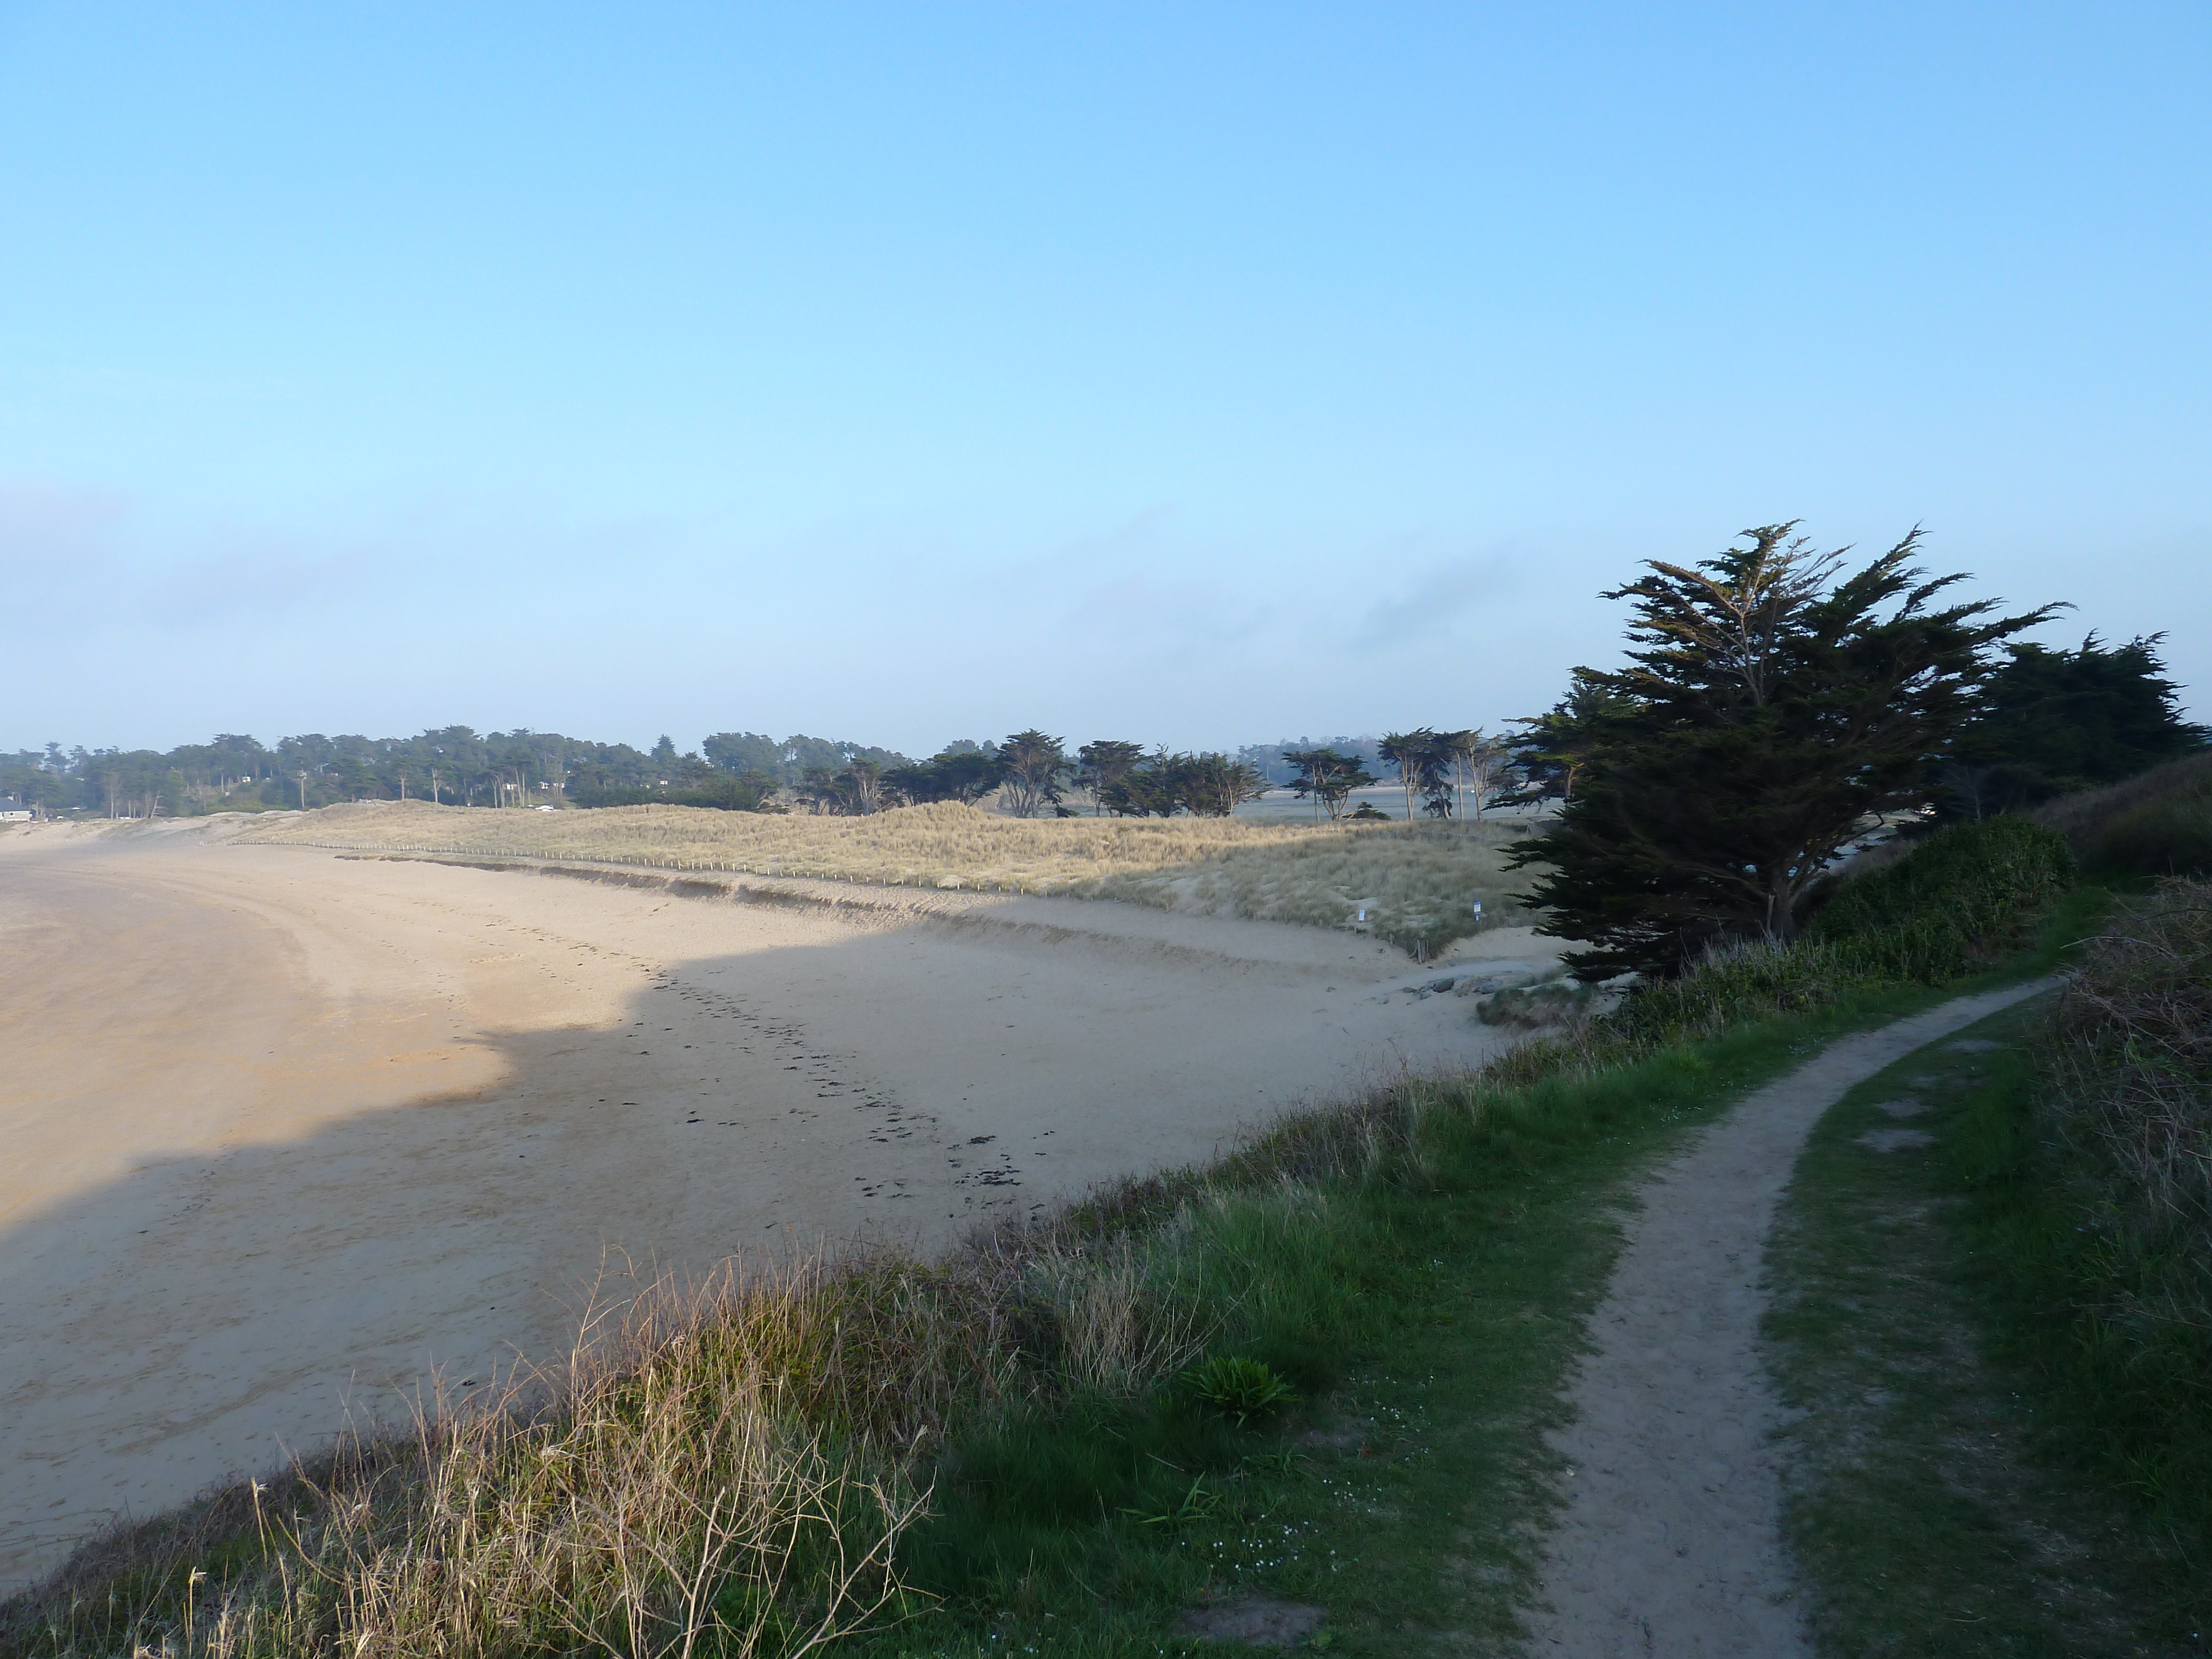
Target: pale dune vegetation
{"points": [[1415, 884], [733, 1472]]}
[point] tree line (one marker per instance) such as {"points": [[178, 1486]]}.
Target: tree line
{"points": [[451, 765], [1774, 705], [1033, 773]]}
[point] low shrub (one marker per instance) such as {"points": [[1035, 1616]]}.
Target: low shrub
{"points": [[2156, 824], [1533, 1008], [2165, 838], [1959, 901], [1963, 899], [2090, 1175]]}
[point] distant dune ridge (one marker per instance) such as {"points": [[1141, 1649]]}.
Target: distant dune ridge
{"points": [[1408, 884]]}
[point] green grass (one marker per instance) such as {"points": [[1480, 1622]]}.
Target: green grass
{"points": [[1982, 1470], [1427, 1313]]}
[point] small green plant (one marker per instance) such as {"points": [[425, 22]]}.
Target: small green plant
{"points": [[1199, 1504], [1245, 1388]]}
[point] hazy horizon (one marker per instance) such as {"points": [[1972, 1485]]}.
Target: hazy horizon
{"points": [[1189, 372]]}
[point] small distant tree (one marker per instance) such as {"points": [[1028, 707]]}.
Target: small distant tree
{"points": [[1416, 757], [1144, 791], [863, 780], [1473, 761], [1032, 767], [1101, 766], [1206, 785], [817, 787], [1212, 785], [966, 774], [1327, 776]]}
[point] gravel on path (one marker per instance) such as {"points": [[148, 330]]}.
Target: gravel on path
{"points": [[1671, 1541]]}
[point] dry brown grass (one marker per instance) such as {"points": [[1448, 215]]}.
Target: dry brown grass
{"points": [[2129, 1056], [944, 844], [1415, 882], [731, 1472]]}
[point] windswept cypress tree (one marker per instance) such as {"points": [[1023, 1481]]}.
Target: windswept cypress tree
{"points": [[1770, 705]]}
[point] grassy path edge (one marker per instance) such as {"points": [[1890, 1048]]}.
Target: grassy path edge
{"points": [[1671, 1536]]}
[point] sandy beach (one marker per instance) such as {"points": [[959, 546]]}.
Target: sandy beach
{"points": [[288, 1131]]}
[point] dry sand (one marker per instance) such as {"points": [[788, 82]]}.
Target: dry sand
{"points": [[286, 1132], [1671, 1541]]}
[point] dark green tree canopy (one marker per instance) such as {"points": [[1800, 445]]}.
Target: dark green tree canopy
{"points": [[1204, 784], [963, 772], [1771, 702], [1105, 765], [2051, 721], [1032, 771]]}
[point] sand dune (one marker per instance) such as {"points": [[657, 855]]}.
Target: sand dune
{"points": [[286, 1131]]}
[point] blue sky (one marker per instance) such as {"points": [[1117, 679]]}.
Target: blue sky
{"points": [[1189, 373]]}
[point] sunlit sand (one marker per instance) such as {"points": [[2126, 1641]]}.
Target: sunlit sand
{"points": [[288, 1130]]}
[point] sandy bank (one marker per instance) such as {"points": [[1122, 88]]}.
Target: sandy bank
{"points": [[285, 1129]]}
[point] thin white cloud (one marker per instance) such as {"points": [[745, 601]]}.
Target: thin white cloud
{"points": [[1435, 601]]}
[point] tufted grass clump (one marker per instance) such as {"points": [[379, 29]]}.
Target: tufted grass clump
{"points": [[1241, 1387]]}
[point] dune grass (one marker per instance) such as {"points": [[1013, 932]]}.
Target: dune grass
{"points": [[1416, 881]]}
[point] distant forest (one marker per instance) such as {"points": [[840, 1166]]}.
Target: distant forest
{"points": [[2045, 721], [455, 765]]}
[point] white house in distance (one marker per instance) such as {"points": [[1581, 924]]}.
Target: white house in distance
{"points": [[13, 811]]}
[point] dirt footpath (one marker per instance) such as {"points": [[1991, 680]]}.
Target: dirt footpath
{"points": [[1671, 1542]]}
